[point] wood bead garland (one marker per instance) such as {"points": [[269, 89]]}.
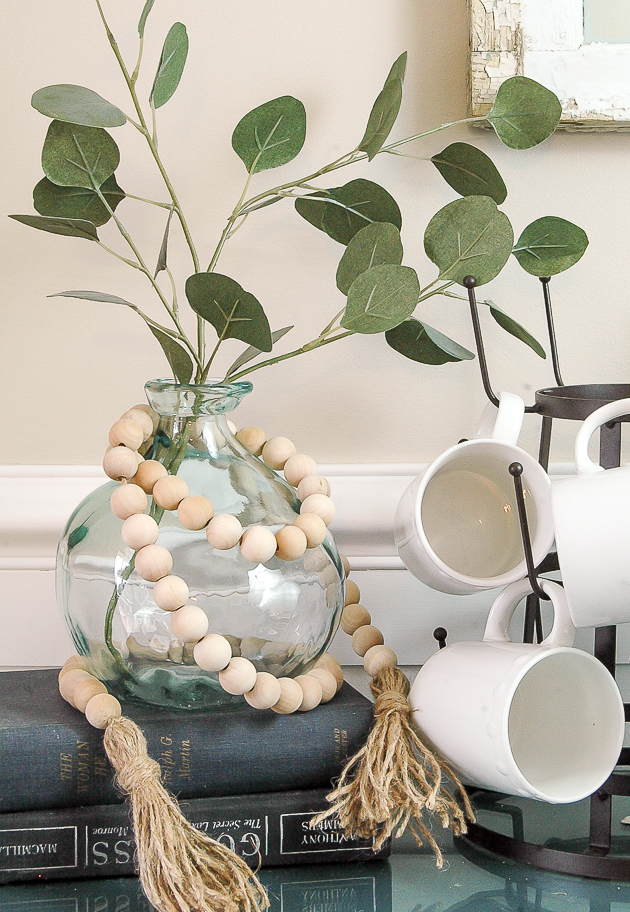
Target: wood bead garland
{"points": [[291, 543], [195, 512], [239, 677], [127, 500], [277, 451], [321, 505], [291, 696], [120, 462], [189, 623], [148, 473], [127, 432], [253, 439], [169, 492], [265, 693], [298, 467], [258, 544], [213, 652], [139, 530], [142, 416], [313, 527], [365, 637], [170, 593], [153, 562], [312, 484]]}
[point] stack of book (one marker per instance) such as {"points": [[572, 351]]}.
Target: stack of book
{"points": [[250, 779]]}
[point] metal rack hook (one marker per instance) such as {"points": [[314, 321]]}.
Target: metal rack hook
{"points": [[516, 471]]}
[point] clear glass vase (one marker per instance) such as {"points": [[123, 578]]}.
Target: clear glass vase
{"points": [[281, 615]]}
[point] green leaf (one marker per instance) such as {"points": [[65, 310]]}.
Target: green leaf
{"points": [[76, 156], [252, 352], [420, 342], [76, 536], [161, 262], [515, 329], [143, 16], [343, 211], [524, 113], [549, 246], [66, 226], [177, 357], [385, 110], [271, 135], [234, 313], [77, 202], [381, 298], [94, 296], [171, 66], [469, 237], [373, 245], [77, 105], [470, 172]]}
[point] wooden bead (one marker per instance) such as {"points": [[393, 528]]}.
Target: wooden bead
{"points": [[139, 530], [143, 407], [298, 467], [170, 593], [276, 452], [128, 432], [313, 527], [224, 531], [213, 652], [169, 492], [141, 415], [120, 462], [331, 664], [127, 500], [346, 565], [239, 677], [291, 696], [328, 682], [70, 681], [75, 661], [291, 543], [153, 562], [101, 709], [320, 505], [253, 439], [189, 623], [84, 692], [265, 692], [312, 692], [365, 637], [148, 473], [312, 484], [195, 512], [379, 657], [353, 593], [258, 544], [354, 616]]}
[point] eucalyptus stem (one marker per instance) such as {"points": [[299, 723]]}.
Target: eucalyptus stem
{"points": [[143, 199], [310, 346]]}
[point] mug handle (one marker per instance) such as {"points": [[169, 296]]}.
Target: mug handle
{"points": [[503, 423], [585, 465], [497, 627]]}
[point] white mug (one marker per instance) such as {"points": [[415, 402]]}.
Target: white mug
{"points": [[540, 721], [457, 526], [592, 519]]}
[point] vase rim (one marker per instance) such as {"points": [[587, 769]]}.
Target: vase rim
{"points": [[169, 397]]}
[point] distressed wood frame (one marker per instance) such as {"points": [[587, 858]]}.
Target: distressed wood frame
{"points": [[544, 39]]}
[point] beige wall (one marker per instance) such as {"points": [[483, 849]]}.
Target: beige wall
{"points": [[68, 368]]}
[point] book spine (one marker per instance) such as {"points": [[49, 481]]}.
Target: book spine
{"points": [[97, 841]]}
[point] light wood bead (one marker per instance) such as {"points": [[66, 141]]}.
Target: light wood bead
{"points": [[239, 677], [189, 623], [354, 616], [120, 462], [139, 458], [169, 492], [258, 544], [346, 566], [312, 484], [379, 657], [213, 652], [70, 681], [231, 426], [224, 531], [298, 467], [142, 417], [153, 562], [291, 696], [313, 527], [84, 692], [353, 593], [328, 682], [101, 709], [277, 451], [253, 439], [148, 473], [195, 512], [127, 500], [331, 664], [291, 543], [312, 692], [128, 432], [265, 692], [143, 407], [365, 637], [74, 662], [140, 530], [170, 593], [320, 505]]}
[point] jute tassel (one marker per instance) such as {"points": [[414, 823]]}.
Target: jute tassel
{"points": [[394, 778], [181, 869]]}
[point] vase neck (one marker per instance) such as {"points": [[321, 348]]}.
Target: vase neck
{"points": [[181, 400]]}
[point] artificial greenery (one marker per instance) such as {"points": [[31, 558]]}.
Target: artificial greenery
{"points": [[471, 235]]}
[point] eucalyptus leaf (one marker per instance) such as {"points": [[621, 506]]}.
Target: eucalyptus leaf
{"points": [[343, 211], [77, 156], [373, 245], [470, 172], [76, 536], [143, 16], [171, 65], [100, 296], [515, 329], [161, 262], [470, 236], [421, 342], [549, 246], [385, 110], [271, 135], [77, 105], [177, 357], [70, 227], [381, 298], [77, 202], [252, 352], [524, 113], [234, 312]]}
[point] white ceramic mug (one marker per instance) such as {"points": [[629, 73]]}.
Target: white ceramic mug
{"points": [[540, 721], [592, 519], [457, 526]]}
